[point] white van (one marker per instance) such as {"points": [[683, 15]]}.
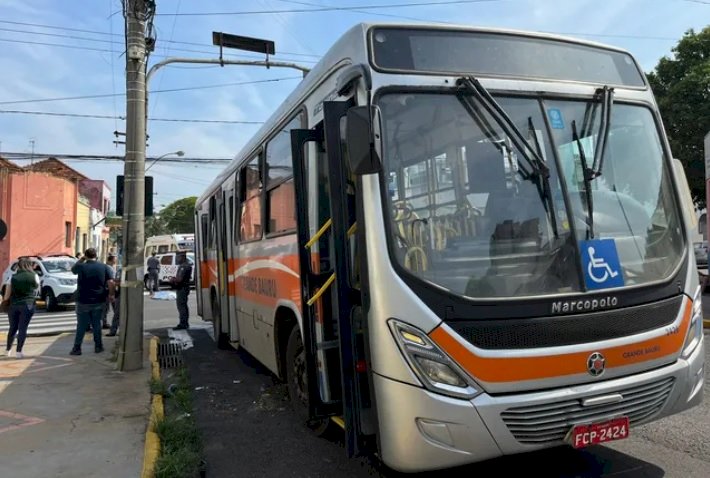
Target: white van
{"points": [[169, 243], [168, 268]]}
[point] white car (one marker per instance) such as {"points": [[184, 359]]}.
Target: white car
{"points": [[57, 283], [168, 268]]}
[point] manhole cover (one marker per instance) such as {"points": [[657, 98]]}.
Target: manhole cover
{"points": [[169, 355]]}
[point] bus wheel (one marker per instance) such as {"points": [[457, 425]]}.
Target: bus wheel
{"points": [[297, 377], [220, 337]]}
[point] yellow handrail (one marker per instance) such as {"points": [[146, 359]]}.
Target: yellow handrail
{"points": [[320, 232], [322, 290]]}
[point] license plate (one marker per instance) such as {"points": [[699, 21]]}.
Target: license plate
{"points": [[591, 434]]}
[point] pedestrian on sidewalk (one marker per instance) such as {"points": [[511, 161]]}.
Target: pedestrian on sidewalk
{"points": [[182, 284], [110, 262], [153, 274], [22, 294], [94, 287], [116, 305]]}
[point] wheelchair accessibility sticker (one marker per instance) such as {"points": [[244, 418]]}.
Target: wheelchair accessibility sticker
{"points": [[601, 264]]}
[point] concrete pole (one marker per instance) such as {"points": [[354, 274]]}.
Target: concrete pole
{"points": [[707, 186], [130, 353]]}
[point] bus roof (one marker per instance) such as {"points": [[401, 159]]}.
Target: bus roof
{"points": [[352, 48]]}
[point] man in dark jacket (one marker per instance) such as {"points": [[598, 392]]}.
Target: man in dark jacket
{"points": [[182, 284], [94, 287]]}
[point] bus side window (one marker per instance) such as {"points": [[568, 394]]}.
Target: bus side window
{"points": [[250, 227], [203, 236]]}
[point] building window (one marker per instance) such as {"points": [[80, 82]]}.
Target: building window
{"points": [[67, 234]]}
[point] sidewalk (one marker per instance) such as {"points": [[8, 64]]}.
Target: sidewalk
{"points": [[71, 416]]}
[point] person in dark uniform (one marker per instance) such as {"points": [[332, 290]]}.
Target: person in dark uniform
{"points": [[182, 284], [153, 274]]}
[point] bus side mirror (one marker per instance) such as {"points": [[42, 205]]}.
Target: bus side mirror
{"points": [[362, 154]]}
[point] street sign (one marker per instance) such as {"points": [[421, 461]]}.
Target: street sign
{"points": [[243, 43]]}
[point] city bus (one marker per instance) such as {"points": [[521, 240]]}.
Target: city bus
{"points": [[458, 243]]}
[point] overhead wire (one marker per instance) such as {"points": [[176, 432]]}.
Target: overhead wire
{"points": [[104, 50], [331, 8], [97, 32], [113, 71], [123, 118], [167, 52], [151, 92]]}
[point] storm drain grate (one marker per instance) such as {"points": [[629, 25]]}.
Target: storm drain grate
{"points": [[169, 355]]}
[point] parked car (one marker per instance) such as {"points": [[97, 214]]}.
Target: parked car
{"points": [[57, 283], [701, 253], [168, 268]]}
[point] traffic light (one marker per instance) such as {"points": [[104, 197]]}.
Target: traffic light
{"points": [[148, 195]]}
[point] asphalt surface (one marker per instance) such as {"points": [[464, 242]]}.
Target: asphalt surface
{"points": [[248, 430]]}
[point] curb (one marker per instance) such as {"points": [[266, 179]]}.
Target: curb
{"points": [[152, 440]]}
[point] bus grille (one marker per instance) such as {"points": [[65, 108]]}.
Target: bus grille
{"points": [[557, 331], [549, 423]]}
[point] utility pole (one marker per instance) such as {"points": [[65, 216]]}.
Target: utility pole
{"points": [[130, 353]]}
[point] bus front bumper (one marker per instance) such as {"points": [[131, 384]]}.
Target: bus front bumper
{"points": [[420, 430]]}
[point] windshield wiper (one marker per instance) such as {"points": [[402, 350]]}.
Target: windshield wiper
{"points": [[588, 174], [473, 86], [607, 101], [545, 191]]}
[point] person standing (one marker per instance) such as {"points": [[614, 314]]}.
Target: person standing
{"points": [[153, 273], [182, 284], [94, 286], [116, 305], [22, 293], [110, 262]]}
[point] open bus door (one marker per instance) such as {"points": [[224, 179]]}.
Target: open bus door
{"points": [[221, 309], [333, 335]]}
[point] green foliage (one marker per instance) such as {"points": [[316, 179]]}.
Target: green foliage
{"points": [[176, 218], [180, 439], [682, 88]]}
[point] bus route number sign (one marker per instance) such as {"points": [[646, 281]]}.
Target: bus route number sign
{"points": [[591, 434]]}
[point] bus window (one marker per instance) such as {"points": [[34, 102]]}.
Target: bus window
{"points": [[280, 194], [162, 249], [250, 224], [203, 237]]}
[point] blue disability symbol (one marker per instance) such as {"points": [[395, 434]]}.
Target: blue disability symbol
{"points": [[556, 120], [601, 264]]}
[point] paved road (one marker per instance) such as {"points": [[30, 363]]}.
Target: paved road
{"points": [[158, 314], [249, 430]]}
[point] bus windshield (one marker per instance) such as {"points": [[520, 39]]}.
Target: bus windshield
{"points": [[471, 213]]}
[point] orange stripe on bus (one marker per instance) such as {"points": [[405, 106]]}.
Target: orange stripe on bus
{"points": [[511, 369]]}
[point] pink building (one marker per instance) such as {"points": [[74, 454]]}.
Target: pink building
{"points": [[40, 211], [95, 190]]}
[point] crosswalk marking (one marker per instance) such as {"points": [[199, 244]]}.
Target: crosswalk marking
{"points": [[42, 324]]}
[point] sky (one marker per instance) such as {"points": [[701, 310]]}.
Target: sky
{"points": [[91, 62]]}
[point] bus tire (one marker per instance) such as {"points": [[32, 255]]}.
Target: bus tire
{"points": [[297, 379], [220, 337]]}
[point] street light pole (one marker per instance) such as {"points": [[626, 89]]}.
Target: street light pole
{"points": [[177, 153], [130, 352]]}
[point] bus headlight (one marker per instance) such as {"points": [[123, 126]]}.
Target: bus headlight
{"points": [[430, 364], [695, 331]]}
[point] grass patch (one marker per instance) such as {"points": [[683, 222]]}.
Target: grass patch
{"points": [[180, 439]]}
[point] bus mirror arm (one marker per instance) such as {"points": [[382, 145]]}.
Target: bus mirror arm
{"points": [[362, 131]]}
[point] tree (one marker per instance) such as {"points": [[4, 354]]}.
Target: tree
{"points": [[176, 218], [682, 88]]}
